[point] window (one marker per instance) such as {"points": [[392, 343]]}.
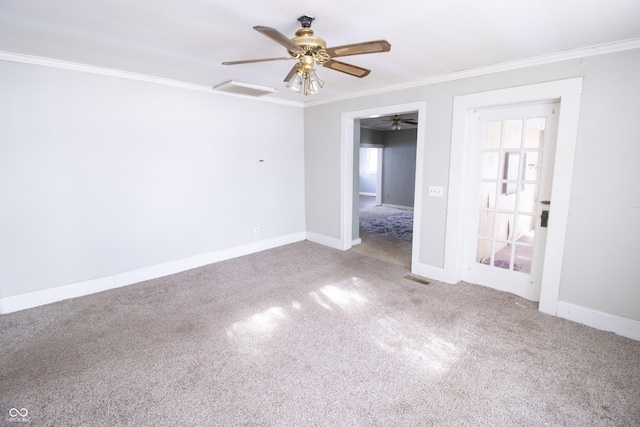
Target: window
{"points": [[372, 160]]}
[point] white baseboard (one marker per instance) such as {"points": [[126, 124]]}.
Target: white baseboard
{"points": [[324, 240], [408, 208], [429, 271], [59, 293], [356, 241], [74, 290], [367, 194], [626, 327]]}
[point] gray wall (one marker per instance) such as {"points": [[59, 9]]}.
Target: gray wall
{"points": [[600, 270], [399, 167], [102, 175]]}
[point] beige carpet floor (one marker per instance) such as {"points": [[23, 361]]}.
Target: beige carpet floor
{"points": [[305, 335]]}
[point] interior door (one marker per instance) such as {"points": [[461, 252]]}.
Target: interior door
{"points": [[509, 185]]}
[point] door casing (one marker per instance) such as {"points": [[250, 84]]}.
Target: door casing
{"points": [[526, 285], [346, 168], [568, 93]]}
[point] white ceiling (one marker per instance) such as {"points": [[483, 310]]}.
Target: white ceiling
{"points": [[187, 40]]}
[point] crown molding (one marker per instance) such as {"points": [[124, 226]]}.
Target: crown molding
{"points": [[600, 49], [84, 68]]}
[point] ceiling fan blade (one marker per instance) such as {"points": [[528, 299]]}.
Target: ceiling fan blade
{"points": [[409, 122], [277, 37], [346, 68], [359, 48], [292, 72], [248, 61]]}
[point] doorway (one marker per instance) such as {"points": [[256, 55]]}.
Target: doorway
{"points": [[349, 187], [383, 224]]}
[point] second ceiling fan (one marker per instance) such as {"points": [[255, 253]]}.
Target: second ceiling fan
{"points": [[310, 50]]}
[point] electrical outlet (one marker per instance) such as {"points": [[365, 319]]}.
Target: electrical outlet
{"points": [[256, 231], [435, 191]]}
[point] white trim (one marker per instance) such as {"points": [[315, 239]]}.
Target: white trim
{"points": [[355, 242], [362, 193], [601, 49], [569, 93], [346, 182], [584, 52], [346, 169], [321, 239], [74, 290], [624, 326], [74, 66], [406, 208], [431, 272]]}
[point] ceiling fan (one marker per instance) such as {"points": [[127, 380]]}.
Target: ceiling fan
{"points": [[310, 50], [398, 120]]}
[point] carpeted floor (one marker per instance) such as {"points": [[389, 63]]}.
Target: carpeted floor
{"points": [[387, 222], [305, 335], [379, 237]]}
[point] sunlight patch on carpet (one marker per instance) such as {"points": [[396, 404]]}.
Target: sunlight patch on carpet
{"points": [[257, 327], [408, 341]]}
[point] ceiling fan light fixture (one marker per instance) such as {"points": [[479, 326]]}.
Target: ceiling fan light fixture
{"points": [[306, 82], [395, 125], [313, 83], [295, 83]]}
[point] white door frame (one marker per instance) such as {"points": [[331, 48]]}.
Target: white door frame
{"points": [[568, 93], [346, 171]]}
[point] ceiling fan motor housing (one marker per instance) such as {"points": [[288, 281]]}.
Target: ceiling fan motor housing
{"points": [[305, 39]]}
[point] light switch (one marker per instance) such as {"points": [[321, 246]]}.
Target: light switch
{"points": [[435, 191]]}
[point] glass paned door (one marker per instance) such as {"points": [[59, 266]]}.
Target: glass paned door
{"points": [[509, 176]]}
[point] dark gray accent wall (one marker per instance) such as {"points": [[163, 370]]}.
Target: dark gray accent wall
{"points": [[399, 167]]}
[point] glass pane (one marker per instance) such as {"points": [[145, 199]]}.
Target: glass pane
{"points": [[522, 260], [490, 165], [534, 136], [502, 257], [485, 224], [488, 195], [504, 227], [528, 197], [526, 228], [524, 243], [512, 134], [492, 133], [510, 172], [507, 202], [483, 251], [532, 162]]}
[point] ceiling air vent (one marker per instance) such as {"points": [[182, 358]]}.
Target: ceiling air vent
{"points": [[244, 88]]}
